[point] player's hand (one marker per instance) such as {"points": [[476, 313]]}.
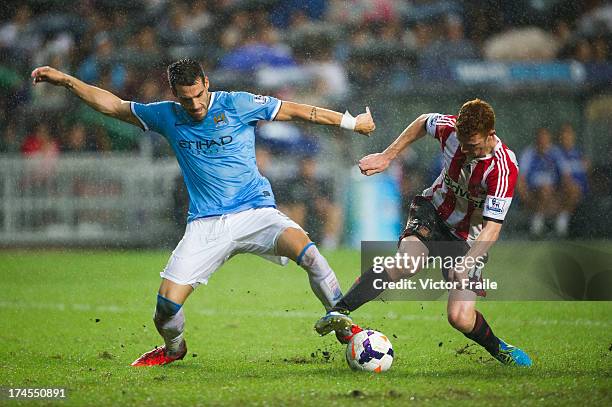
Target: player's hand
{"points": [[374, 163], [365, 123], [461, 277], [49, 75]]}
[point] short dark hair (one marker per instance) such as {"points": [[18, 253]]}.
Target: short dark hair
{"points": [[475, 116], [185, 72]]}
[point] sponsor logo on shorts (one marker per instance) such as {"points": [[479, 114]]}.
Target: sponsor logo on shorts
{"points": [[262, 100]]}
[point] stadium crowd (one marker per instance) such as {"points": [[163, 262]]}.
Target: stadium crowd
{"points": [[333, 44], [327, 48]]}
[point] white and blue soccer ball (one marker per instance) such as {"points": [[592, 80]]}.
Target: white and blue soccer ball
{"points": [[369, 350]]}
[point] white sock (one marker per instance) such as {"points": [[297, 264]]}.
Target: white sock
{"points": [[171, 328], [322, 279]]}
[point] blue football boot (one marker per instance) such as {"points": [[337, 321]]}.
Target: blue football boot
{"points": [[511, 355]]}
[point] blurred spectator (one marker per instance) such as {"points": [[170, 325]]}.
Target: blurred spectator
{"points": [[17, 35], [40, 143], [522, 44], [76, 140], [601, 50], [309, 200], [103, 60], [43, 150], [259, 48], [235, 32], [9, 141], [410, 178], [543, 184], [583, 52], [453, 46], [178, 29], [287, 12], [577, 168], [597, 20], [144, 49], [101, 140], [361, 12]]}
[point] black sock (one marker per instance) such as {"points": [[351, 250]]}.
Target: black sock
{"points": [[483, 335], [362, 291]]}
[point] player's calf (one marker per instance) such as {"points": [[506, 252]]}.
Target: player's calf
{"points": [[476, 328], [322, 279], [169, 320], [170, 323]]}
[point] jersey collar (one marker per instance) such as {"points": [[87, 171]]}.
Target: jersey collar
{"points": [[210, 102]]}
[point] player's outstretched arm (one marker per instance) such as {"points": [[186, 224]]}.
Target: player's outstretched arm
{"points": [[378, 162], [363, 123], [101, 100]]}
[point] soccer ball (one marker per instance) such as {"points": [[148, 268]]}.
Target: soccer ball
{"points": [[370, 351]]}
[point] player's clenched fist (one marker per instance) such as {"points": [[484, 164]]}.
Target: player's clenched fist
{"points": [[365, 123], [48, 74], [374, 163]]}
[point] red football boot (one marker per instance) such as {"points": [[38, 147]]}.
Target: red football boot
{"points": [[159, 356], [346, 335], [339, 322]]}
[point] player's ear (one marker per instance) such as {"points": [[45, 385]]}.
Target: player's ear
{"points": [[206, 83]]}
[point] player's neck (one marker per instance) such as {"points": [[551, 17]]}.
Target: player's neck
{"points": [[491, 146], [207, 104]]}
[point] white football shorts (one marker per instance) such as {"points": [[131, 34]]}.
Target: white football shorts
{"points": [[210, 242]]}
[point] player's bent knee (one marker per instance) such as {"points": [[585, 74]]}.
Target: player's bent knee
{"points": [[174, 292], [461, 318], [291, 242]]}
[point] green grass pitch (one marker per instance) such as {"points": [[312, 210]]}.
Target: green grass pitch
{"points": [[77, 319]]}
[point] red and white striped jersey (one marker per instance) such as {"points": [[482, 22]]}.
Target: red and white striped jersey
{"points": [[468, 191]]}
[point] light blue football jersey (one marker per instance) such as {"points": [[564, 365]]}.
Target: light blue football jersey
{"points": [[217, 154]]}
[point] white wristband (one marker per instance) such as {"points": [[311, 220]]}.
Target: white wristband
{"points": [[348, 121]]}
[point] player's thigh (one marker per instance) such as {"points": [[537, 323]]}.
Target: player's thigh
{"points": [[258, 231], [413, 249], [205, 246]]}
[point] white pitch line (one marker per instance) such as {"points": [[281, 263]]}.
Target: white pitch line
{"points": [[282, 314]]}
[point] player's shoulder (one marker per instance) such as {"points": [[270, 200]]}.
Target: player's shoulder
{"points": [[160, 105], [504, 158], [247, 97], [441, 126], [440, 119], [156, 111]]}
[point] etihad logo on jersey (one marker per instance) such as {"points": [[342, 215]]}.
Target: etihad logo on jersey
{"points": [[462, 193], [220, 120], [205, 146]]}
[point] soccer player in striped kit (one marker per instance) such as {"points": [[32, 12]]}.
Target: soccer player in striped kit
{"points": [[460, 215]]}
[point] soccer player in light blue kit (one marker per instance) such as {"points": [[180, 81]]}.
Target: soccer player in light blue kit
{"points": [[231, 205]]}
